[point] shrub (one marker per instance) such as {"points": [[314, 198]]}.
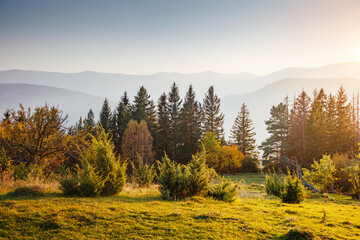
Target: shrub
{"points": [[293, 191], [173, 179], [355, 191], [178, 181], [274, 184], [322, 174], [224, 190], [20, 171], [101, 173], [250, 166], [70, 186], [297, 234], [27, 192], [198, 175], [143, 173]]}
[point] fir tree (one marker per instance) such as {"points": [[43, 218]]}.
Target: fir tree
{"points": [[344, 132], [174, 108], [89, 121], [297, 125], [213, 119], [275, 146], [141, 105], [243, 133], [163, 131], [190, 126], [105, 116], [316, 133]]}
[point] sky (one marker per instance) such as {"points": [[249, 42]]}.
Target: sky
{"points": [[187, 36]]}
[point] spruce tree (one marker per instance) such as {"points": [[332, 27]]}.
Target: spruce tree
{"points": [[190, 126], [174, 108], [141, 105], [275, 146], [316, 134], [89, 121], [105, 116], [122, 116], [213, 119], [243, 133], [344, 133], [297, 125], [163, 131]]}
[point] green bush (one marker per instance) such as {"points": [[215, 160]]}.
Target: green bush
{"points": [[173, 179], [224, 190], [20, 171], [143, 173], [250, 166], [178, 181], [293, 191], [27, 192], [101, 173], [274, 184], [322, 173]]}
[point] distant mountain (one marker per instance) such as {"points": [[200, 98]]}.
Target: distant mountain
{"points": [[113, 85], [261, 101], [73, 103]]}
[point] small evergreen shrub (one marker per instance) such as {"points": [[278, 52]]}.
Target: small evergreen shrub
{"points": [[250, 165], [143, 173], [225, 190], [101, 173], [27, 192], [297, 234], [293, 191], [179, 182], [173, 179], [274, 184]]}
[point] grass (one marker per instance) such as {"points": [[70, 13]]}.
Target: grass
{"points": [[141, 214]]}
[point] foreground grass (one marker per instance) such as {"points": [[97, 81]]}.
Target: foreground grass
{"points": [[141, 214]]}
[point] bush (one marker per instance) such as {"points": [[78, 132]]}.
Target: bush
{"points": [[101, 173], [250, 166], [173, 179], [355, 191], [274, 184], [178, 181], [322, 174], [225, 190], [293, 191], [27, 192], [143, 173]]}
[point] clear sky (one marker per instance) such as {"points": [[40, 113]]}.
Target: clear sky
{"points": [[187, 36]]}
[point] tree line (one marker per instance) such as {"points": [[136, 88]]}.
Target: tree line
{"points": [[312, 126]]}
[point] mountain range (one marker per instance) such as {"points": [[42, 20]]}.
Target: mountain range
{"points": [[76, 93]]}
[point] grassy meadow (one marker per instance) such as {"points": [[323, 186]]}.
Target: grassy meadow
{"points": [[141, 214]]}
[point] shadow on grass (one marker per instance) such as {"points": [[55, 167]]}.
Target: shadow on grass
{"points": [[9, 196]]}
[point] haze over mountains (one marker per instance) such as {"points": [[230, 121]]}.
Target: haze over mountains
{"points": [[76, 93]]}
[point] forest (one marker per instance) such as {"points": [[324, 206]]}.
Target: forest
{"points": [[176, 149]]}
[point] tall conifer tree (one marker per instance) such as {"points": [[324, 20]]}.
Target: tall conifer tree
{"points": [[213, 119], [243, 133], [190, 125], [174, 108], [105, 116], [163, 131]]}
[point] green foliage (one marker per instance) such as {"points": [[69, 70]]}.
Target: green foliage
{"points": [[182, 181], [224, 159], [224, 190], [143, 173], [274, 184], [20, 171], [293, 191], [250, 166], [105, 116], [213, 119], [101, 173], [322, 174], [27, 192], [355, 192], [297, 234], [70, 186], [173, 179], [198, 175]]}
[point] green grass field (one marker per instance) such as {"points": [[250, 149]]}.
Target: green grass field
{"points": [[141, 214]]}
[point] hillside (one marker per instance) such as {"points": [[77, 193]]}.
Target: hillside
{"points": [[73, 103]]}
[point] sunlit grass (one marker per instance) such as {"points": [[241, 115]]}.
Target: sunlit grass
{"points": [[141, 214]]}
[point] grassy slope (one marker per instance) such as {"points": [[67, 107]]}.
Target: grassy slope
{"points": [[141, 214]]}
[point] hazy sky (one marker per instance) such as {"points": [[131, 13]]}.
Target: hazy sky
{"points": [[143, 37]]}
